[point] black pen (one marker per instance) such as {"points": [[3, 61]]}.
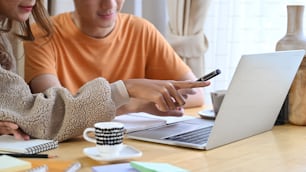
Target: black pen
{"points": [[22, 155], [210, 75]]}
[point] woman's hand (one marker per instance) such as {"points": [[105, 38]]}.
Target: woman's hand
{"points": [[141, 105], [11, 128], [163, 93]]}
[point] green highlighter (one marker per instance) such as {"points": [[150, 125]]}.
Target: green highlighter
{"points": [[155, 167]]}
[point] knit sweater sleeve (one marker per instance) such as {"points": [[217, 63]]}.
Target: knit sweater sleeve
{"points": [[56, 113]]}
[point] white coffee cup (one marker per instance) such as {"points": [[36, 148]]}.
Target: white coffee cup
{"points": [[108, 136], [216, 99]]}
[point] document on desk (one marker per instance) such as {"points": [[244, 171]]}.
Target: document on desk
{"points": [[141, 121], [121, 167], [136, 166]]}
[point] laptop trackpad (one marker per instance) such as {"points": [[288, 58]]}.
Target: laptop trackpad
{"points": [[172, 129]]}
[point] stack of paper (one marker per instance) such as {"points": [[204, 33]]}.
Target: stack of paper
{"points": [[11, 164]]}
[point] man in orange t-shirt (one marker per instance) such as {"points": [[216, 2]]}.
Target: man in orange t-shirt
{"points": [[96, 40]]}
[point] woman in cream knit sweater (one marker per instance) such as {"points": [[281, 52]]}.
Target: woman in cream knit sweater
{"points": [[56, 113]]}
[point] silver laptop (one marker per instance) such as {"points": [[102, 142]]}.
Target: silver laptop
{"points": [[251, 105]]}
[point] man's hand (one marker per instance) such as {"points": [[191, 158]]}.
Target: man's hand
{"points": [[165, 94], [11, 128]]}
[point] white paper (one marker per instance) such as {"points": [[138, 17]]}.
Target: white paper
{"points": [[141, 121]]}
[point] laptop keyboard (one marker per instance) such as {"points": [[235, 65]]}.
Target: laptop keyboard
{"points": [[199, 136]]}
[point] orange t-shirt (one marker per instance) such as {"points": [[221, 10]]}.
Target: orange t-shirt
{"points": [[134, 49]]}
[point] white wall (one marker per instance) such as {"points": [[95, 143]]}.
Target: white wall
{"points": [[60, 6], [156, 12]]}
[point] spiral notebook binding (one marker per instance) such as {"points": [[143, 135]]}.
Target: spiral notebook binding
{"points": [[42, 147]]}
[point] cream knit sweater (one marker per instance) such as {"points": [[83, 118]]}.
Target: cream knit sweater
{"points": [[56, 114]]}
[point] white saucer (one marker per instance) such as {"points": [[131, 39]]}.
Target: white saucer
{"points": [[207, 114], [127, 152]]}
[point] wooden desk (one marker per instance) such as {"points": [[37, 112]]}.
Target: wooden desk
{"points": [[282, 149]]}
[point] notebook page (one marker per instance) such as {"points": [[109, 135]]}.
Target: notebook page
{"points": [[141, 121]]}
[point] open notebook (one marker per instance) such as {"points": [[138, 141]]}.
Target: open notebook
{"points": [[142, 121], [251, 104], [9, 144]]}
